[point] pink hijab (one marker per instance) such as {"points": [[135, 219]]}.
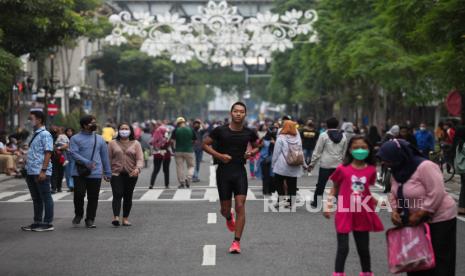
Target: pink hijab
{"points": [[158, 138]]}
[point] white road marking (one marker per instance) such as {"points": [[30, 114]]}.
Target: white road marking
{"points": [[6, 194], [211, 218], [211, 195], [20, 198], [59, 196], [212, 176], [209, 255], [182, 194], [151, 195], [251, 195]]}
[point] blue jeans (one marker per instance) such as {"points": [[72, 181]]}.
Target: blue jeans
{"points": [[41, 198], [198, 160], [68, 170], [308, 155]]}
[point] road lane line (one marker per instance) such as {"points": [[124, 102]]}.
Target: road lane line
{"points": [[151, 195], [211, 218], [211, 195], [20, 198], [59, 196], [209, 255], [182, 194], [250, 195], [212, 176], [6, 194]]}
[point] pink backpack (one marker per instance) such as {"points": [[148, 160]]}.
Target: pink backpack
{"points": [[410, 249]]}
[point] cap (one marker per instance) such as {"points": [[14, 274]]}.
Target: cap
{"points": [[180, 120]]}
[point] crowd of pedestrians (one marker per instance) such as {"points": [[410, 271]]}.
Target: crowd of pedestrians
{"points": [[279, 153]]}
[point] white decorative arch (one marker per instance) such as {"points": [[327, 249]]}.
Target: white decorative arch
{"points": [[217, 34]]}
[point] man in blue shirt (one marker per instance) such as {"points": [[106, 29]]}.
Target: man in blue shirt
{"points": [[39, 170], [89, 150], [425, 140]]}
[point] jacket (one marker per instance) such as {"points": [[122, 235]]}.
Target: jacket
{"points": [[81, 146], [279, 164], [330, 149], [425, 140]]}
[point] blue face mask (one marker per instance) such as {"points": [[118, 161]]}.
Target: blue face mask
{"points": [[360, 154]]}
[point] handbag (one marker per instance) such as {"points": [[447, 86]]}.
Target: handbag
{"points": [[295, 155], [81, 168], [410, 248]]}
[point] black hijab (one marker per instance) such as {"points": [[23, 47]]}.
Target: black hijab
{"points": [[403, 157]]}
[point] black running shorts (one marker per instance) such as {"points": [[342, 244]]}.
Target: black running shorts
{"points": [[231, 179]]}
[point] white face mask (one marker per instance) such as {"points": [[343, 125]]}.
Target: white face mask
{"points": [[124, 133]]}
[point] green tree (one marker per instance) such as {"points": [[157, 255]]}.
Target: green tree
{"points": [[33, 25], [9, 66]]}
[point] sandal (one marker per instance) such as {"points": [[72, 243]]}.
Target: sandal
{"points": [[115, 223], [127, 224]]}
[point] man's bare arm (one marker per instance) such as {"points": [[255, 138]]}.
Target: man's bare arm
{"points": [[207, 147]]}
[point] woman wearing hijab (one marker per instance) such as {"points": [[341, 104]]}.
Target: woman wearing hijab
{"points": [[417, 184], [161, 155], [392, 133], [288, 139]]}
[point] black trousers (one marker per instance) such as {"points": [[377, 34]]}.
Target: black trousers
{"points": [[122, 187], [91, 186], [58, 172], [290, 181], [323, 176], [362, 241], [444, 240], [157, 164], [267, 180]]}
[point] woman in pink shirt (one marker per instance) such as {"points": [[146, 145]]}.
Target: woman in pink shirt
{"points": [[126, 160], [417, 184]]}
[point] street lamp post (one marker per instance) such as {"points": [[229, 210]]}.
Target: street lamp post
{"points": [[358, 109], [14, 91]]}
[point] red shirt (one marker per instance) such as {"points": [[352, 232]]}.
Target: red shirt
{"points": [[450, 136]]}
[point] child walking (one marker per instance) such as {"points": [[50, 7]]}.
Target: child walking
{"points": [[355, 210]]}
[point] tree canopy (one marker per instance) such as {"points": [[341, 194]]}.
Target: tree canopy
{"points": [[410, 52]]}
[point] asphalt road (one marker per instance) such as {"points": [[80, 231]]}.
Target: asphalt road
{"points": [[179, 233]]}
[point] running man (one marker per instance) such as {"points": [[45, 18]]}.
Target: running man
{"points": [[231, 153]]}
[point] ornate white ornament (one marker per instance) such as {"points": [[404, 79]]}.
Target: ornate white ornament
{"points": [[217, 34]]}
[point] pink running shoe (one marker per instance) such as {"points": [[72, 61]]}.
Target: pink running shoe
{"points": [[235, 248], [231, 224]]}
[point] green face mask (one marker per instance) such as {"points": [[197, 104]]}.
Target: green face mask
{"points": [[360, 154]]}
